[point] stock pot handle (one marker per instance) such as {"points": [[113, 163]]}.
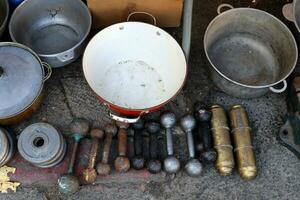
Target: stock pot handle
{"points": [[223, 5], [287, 11], [279, 90], [48, 71], [124, 119], [144, 13]]}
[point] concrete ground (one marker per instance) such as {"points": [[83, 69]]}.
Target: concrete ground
{"points": [[68, 96]]}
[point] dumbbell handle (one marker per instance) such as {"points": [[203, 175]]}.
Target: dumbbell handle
{"points": [[169, 136], [191, 146], [106, 148]]}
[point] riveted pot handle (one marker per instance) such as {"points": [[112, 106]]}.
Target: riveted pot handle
{"points": [[287, 11], [142, 13], [66, 56], [223, 5], [125, 119], [48, 71], [279, 90]]}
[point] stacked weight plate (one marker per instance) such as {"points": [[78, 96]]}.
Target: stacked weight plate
{"points": [[7, 146], [42, 145]]}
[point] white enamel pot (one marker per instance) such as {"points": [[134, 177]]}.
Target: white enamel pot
{"points": [[134, 68]]}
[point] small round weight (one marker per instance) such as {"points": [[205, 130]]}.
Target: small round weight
{"points": [[4, 146], [42, 145], [12, 147]]}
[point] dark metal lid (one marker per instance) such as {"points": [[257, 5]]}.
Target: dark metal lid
{"points": [[21, 78]]}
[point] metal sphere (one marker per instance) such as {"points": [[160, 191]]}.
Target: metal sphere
{"points": [[168, 120], [138, 162], [152, 127], [139, 124], [122, 164], [79, 126], [97, 133], [103, 169], [209, 156], [154, 166], [201, 112], [171, 165], [188, 123], [89, 175], [193, 168], [68, 184], [112, 129]]}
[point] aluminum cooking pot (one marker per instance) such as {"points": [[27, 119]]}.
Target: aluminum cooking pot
{"points": [[134, 68], [291, 12], [249, 51], [4, 12], [56, 30], [22, 77]]}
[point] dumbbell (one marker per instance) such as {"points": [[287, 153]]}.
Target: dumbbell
{"points": [[122, 163], [193, 167], [171, 163], [103, 168], [203, 115], [154, 164], [68, 183], [138, 161], [90, 174]]}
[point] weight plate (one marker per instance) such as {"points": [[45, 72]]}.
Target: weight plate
{"points": [[12, 146], [40, 143], [4, 146], [56, 162]]}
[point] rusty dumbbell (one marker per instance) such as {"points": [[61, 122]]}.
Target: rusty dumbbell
{"points": [[171, 163], [208, 154], [154, 164], [122, 163], [68, 183], [138, 161], [193, 167], [90, 174], [103, 168]]}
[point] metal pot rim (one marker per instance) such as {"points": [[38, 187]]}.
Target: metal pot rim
{"points": [[43, 73], [254, 10], [53, 55], [7, 14]]}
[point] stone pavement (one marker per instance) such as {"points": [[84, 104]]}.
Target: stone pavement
{"points": [[68, 96]]}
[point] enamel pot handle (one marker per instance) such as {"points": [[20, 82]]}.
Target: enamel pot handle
{"points": [[281, 89], [125, 119], [142, 13], [223, 5]]}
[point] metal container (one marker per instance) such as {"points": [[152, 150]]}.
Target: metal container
{"points": [[42, 145], [22, 78], [250, 51], [137, 80], [56, 30], [243, 149], [4, 12], [222, 142], [291, 11]]}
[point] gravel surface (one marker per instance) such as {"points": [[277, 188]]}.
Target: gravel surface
{"points": [[68, 96]]}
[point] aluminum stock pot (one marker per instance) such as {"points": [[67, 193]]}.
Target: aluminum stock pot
{"points": [[22, 77], [134, 68], [291, 11], [56, 29], [4, 12], [250, 51]]}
